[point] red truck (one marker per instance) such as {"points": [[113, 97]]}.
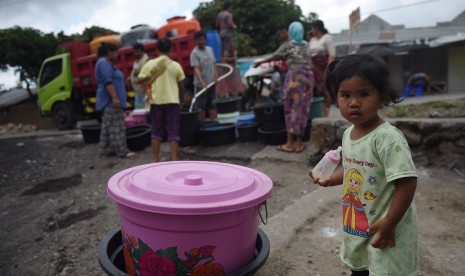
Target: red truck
{"points": [[66, 83]]}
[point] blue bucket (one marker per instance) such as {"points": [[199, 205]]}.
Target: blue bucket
{"points": [[246, 119]]}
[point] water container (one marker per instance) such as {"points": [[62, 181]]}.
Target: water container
{"points": [[138, 34], [96, 42], [182, 217], [213, 40], [316, 109], [178, 26], [227, 118]]}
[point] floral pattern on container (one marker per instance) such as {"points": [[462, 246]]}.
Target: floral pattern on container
{"points": [[140, 259]]}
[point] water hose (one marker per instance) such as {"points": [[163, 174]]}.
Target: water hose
{"points": [[211, 84]]}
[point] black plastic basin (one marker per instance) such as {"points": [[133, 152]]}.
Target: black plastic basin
{"points": [[248, 132], [228, 105], [111, 256], [272, 134], [138, 137], [219, 134], [189, 128], [90, 133], [269, 113]]}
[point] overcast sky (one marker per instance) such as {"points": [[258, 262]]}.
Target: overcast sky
{"points": [[119, 15]]}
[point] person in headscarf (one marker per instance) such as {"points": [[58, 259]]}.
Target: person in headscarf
{"points": [[298, 86]]}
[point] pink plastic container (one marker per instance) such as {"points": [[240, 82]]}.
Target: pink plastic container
{"points": [[189, 216], [136, 117]]}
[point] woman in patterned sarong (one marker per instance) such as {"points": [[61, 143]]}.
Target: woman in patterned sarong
{"points": [[298, 86]]}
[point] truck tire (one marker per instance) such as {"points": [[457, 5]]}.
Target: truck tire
{"points": [[63, 116]]}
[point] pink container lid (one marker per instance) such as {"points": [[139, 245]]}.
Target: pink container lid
{"points": [[189, 187]]}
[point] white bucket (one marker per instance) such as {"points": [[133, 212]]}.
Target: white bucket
{"points": [[225, 118]]}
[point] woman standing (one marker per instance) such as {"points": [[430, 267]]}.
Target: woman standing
{"points": [[298, 86], [323, 52], [111, 100]]}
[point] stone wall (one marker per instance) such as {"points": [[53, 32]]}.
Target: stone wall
{"points": [[433, 142]]}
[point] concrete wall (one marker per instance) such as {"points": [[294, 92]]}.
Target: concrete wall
{"points": [[437, 142]]}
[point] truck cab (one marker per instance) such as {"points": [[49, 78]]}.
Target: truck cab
{"points": [[66, 83], [55, 85]]}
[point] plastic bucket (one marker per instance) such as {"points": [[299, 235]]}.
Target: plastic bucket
{"points": [[218, 134], [228, 118], [247, 132], [111, 254], [138, 137], [213, 40], [189, 128], [246, 119], [272, 134], [184, 217], [316, 108], [269, 113], [228, 105], [90, 133]]}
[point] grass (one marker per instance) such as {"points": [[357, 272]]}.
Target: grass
{"points": [[444, 109]]}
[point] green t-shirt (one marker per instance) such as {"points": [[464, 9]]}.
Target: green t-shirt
{"points": [[371, 166]]}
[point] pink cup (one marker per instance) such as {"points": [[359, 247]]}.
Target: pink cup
{"points": [[189, 217]]}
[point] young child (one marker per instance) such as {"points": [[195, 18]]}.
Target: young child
{"points": [[166, 79], [378, 174]]}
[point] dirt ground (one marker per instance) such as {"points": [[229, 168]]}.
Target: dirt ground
{"points": [[55, 211]]}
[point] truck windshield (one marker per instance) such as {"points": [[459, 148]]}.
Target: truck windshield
{"points": [[52, 69]]}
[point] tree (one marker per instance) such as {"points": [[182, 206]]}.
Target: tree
{"points": [[257, 22], [90, 33], [24, 49]]}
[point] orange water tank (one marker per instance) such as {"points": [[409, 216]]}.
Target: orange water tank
{"points": [[111, 38], [178, 25]]}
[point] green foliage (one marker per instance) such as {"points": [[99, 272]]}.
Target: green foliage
{"points": [[90, 33], [257, 22], [24, 49]]}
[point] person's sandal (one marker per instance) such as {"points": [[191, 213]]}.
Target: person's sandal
{"points": [[130, 155]]}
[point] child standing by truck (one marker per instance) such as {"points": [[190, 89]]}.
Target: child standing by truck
{"points": [[165, 76], [378, 175]]}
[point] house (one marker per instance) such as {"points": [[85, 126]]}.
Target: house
{"points": [[438, 51]]}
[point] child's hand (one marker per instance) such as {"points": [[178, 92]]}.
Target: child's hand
{"points": [[386, 233], [316, 180]]}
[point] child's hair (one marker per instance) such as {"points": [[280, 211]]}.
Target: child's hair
{"points": [[200, 34], [138, 46], [105, 48], [368, 67], [164, 45]]}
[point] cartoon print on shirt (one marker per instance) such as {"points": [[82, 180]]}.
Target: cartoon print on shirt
{"points": [[354, 217], [369, 195]]}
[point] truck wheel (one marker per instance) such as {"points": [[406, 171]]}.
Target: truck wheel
{"points": [[63, 116]]}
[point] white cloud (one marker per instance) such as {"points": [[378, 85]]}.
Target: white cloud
{"points": [[411, 13]]}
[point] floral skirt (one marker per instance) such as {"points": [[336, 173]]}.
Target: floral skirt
{"points": [[298, 91]]}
